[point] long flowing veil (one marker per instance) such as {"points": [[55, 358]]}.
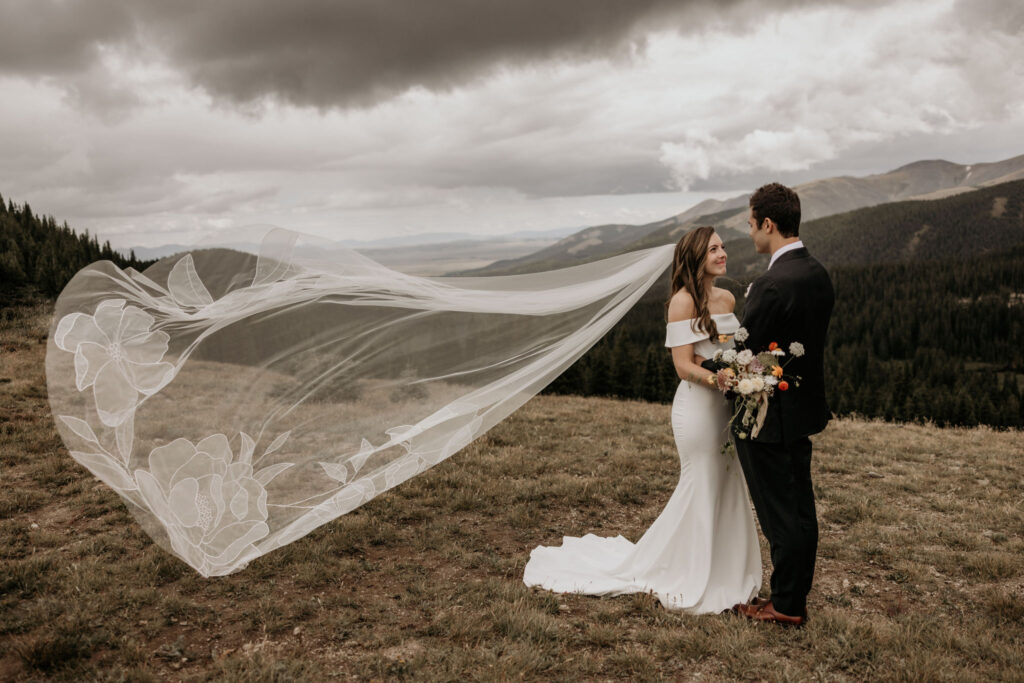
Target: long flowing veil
{"points": [[239, 401]]}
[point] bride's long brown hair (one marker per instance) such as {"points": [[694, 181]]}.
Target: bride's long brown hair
{"points": [[688, 266]]}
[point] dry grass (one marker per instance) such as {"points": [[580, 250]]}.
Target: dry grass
{"points": [[920, 574]]}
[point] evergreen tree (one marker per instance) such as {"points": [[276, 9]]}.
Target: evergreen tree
{"points": [[623, 367]]}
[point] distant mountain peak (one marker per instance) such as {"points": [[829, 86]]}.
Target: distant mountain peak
{"points": [[925, 164]]}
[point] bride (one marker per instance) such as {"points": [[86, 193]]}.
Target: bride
{"points": [[701, 554]]}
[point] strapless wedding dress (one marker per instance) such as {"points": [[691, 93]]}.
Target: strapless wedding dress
{"points": [[701, 554]]}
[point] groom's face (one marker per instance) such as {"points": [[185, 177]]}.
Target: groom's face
{"points": [[758, 234]]}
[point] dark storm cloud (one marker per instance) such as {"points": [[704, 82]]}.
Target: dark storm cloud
{"points": [[322, 52], [336, 53], [51, 38]]}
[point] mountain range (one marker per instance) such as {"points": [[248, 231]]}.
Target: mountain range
{"points": [[989, 220], [531, 251], [513, 241], [929, 289], [921, 180]]}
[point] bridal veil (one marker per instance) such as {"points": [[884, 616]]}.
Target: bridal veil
{"points": [[238, 401]]}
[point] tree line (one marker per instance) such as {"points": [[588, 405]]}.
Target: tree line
{"points": [[935, 340], [37, 254]]}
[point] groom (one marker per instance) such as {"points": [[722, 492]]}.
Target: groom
{"points": [[791, 302]]}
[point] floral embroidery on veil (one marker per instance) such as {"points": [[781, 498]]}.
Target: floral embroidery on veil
{"points": [[165, 392]]}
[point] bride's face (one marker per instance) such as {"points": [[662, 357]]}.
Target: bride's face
{"points": [[714, 265]]}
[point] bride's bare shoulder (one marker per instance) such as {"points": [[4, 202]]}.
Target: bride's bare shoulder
{"points": [[680, 306]]}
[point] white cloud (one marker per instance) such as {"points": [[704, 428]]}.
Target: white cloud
{"points": [[702, 154], [829, 79]]}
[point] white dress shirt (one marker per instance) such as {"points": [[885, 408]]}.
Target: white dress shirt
{"points": [[782, 250]]}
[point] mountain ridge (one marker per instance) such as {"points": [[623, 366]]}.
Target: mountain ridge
{"points": [[920, 179], [967, 224], [431, 239]]}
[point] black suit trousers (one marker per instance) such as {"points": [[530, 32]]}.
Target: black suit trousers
{"points": [[779, 478]]}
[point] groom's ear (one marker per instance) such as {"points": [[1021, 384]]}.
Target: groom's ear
{"points": [[768, 223]]}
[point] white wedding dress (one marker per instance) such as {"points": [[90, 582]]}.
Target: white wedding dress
{"points": [[701, 554]]}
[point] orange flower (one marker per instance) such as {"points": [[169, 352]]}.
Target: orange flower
{"points": [[773, 346], [777, 371], [783, 385]]}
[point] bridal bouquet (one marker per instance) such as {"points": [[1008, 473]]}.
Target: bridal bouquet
{"points": [[754, 378]]}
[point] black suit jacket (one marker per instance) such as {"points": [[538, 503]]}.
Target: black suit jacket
{"points": [[792, 302]]}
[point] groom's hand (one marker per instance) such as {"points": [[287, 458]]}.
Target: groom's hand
{"points": [[714, 366]]}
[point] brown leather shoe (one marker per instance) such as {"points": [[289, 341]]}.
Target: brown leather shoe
{"points": [[769, 614], [745, 610], [759, 602]]}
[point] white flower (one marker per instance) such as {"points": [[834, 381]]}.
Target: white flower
{"points": [[116, 354], [741, 335], [797, 349], [745, 387], [778, 352], [758, 383], [744, 357], [771, 381], [212, 508], [718, 355], [729, 355]]}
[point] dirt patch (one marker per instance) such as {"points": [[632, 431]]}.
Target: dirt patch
{"points": [[998, 207]]}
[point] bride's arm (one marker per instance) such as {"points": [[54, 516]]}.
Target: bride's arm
{"points": [[686, 363], [689, 369]]}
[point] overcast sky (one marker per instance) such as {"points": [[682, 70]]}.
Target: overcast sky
{"points": [[151, 122]]}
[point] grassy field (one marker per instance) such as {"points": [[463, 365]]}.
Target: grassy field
{"points": [[920, 573]]}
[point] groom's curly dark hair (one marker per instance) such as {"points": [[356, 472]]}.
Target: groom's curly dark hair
{"points": [[781, 204]]}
